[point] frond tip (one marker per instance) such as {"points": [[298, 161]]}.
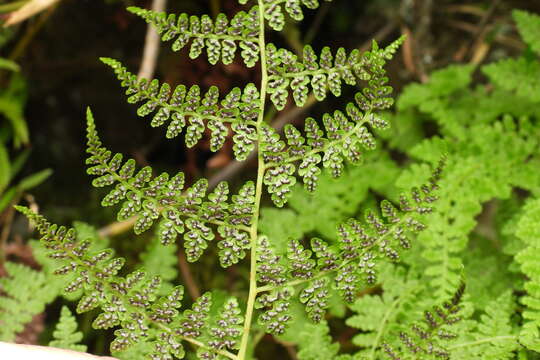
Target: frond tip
{"points": [[66, 335]]}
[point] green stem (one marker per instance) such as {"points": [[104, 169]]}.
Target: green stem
{"points": [[258, 194]]}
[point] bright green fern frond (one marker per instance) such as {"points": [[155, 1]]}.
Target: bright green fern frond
{"points": [[24, 293], [188, 110], [476, 173], [188, 211], [275, 10], [221, 36], [327, 72], [315, 343], [528, 230], [66, 335], [377, 316], [528, 25], [521, 76], [441, 85]]}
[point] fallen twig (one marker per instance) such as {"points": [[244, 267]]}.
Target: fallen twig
{"points": [[151, 45]]}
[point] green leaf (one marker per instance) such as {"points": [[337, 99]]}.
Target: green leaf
{"points": [[7, 197], [493, 337], [34, 180], [9, 65], [5, 168], [12, 102], [528, 230], [18, 162]]}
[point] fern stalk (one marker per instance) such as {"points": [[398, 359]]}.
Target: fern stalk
{"points": [[258, 192]]}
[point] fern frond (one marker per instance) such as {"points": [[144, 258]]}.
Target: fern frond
{"points": [[186, 110], [427, 340], [315, 342], [275, 10], [493, 337], [130, 302], [221, 37], [24, 293], [528, 230], [477, 172], [344, 141], [327, 74], [332, 201], [226, 331], [359, 249], [528, 25], [520, 76], [377, 316], [66, 335], [184, 211]]}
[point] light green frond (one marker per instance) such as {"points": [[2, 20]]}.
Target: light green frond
{"points": [[221, 37], [520, 76], [476, 172], [66, 335], [24, 293], [442, 83], [528, 25], [315, 343], [528, 230], [378, 316]]}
